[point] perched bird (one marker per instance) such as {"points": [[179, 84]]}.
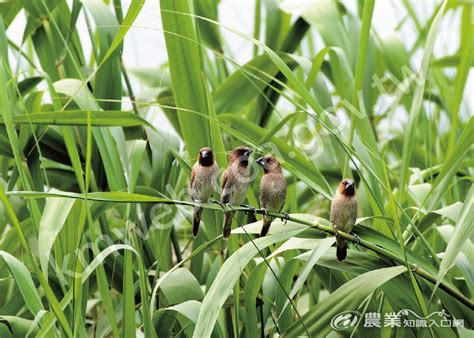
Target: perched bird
{"points": [[272, 189], [235, 182], [203, 182], [343, 213]]}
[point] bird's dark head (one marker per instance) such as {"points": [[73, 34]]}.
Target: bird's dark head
{"points": [[269, 164], [206, 157], [347, 187], [240, 155]]}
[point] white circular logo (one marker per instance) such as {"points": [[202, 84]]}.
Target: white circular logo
{"points": [[345, 320]]}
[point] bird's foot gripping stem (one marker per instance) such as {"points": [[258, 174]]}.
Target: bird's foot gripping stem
{"points": [[357, 238], [335, 229], [221, 204], [252, 209], [285, 218]]}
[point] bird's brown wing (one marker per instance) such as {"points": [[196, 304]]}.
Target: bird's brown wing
{"points": [[193, 175], [284, 193], [354, 212], [224, 179], [283, 202], [331, 217], [225, 193]]}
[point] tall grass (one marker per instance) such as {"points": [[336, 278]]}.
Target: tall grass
{"points": [[95, 233]]}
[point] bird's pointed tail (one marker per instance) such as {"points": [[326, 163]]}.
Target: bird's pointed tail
{"points": [[196, 220], [227, 224], [267, 221], [341, 251]]}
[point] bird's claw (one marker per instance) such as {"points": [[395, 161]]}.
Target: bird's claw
{"points": [[264, 211], [252, 209], [222, 205], [357, 238], [336, 230], [285, 218]]}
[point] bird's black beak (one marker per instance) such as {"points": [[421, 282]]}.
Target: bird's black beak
{"points": [[247, 152], [350, 188], [263, 162], [204, 154]]}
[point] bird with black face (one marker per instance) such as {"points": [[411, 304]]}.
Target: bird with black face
{"points": [[273, 189], [343, 214], [235, 182], [203, 182]]}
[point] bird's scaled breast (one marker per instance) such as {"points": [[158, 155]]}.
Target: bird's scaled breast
{"points": [[272, 191], [205, 183], [344, 213], [240, 192]]}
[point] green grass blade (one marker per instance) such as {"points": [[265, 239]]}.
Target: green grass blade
{"points": [[451, 165], [185, 63], [415, 108], [24, 282], [125, 25], [54, 215], [360, 69], [106, 142], [11, 326], [317, 252], [244, 85], [346, 298], [462, 232], [226, 279], [465, 63], [53, 302], [79, 118]]}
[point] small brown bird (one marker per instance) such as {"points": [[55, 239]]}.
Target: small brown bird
{"points": [[203, 182], [343, 213], [235, 183], [272, 189]]}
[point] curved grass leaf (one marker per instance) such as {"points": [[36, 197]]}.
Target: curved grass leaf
{"points": [[108, 77], [185, 313], [185, 63], [12, 327], [346, 298], [125, 25], [462, 232], [54, 216], [99, 118], [107, 142], [327, 18], [251, 290], [24, 282], [86, 274], [181, 286], [226, 279], [243, 86], [415, 108], [316, 253], [465, 62], [451, 165]]}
